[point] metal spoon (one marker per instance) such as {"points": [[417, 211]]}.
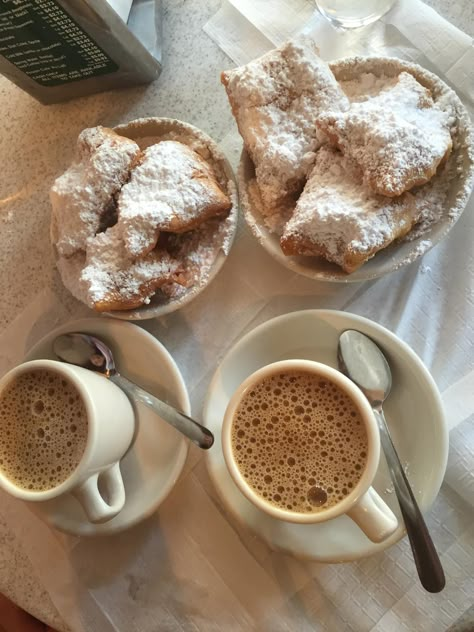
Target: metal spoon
{"points": [[92, 353], [364, 363]]}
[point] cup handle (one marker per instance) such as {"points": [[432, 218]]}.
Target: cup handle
{"points": [[373, 516], [88, 494]]}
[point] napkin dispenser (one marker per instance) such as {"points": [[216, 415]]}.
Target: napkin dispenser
{"points": [[61, 49]]}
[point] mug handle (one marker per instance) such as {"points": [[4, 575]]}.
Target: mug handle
{"points": [[373, 516], [88, 494]]}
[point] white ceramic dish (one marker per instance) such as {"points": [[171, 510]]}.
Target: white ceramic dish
{"points": [[403, 252], [216, 244], [154, 462], [413, 410]]}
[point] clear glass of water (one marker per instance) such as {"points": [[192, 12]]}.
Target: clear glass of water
{"points": [[350, 14]]}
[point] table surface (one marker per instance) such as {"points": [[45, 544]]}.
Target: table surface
{"points": [[37, 142]]}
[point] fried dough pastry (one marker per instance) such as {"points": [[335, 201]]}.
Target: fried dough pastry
{"points": [[172, 189], [83, 195], [398, 138], [275, 100], [337, 217], [112, 280], [109, 208]]}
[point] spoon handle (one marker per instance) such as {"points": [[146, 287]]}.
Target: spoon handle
{"points": [[427, 562], [198, 434]]}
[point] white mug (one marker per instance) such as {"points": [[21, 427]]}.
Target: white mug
{"points": [[363, 505], [111, 425]]}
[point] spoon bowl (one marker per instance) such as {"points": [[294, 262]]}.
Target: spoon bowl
{"points": [[361, 359], [87, 351]]}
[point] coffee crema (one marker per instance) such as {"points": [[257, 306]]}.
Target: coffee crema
{"points": [[43, 430], [299, 441]]}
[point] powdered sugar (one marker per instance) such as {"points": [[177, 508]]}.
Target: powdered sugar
{"points": [[171, 190], [366, 86], [397, 137], [108, 277], [431, 201], [419, 250], [276, 100], [421, 247], [338, 215], [81, 194]]}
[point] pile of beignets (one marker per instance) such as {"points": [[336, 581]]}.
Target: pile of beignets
{"points": [[117, 210], [333, 176]]}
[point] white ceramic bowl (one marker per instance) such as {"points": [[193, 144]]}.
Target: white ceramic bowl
{"points": [[403, 252], [146, 132]]}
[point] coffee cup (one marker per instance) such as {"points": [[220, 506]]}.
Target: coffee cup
{"points": [[301, 442], [63, 430]]}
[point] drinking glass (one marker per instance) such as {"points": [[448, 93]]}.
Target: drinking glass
{"points": [[350, 14]]}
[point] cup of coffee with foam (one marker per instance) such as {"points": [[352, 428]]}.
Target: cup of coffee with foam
{"points": [[302, 444], [63, 430]]}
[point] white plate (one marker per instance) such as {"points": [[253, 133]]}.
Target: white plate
{"points": [[154, 462], [398, 254], [147, 131], [413, 410]]}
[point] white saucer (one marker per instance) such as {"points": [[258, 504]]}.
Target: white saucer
{"points": [[153, 464], [413, 410]]}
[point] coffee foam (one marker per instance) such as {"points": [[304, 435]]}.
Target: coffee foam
{"points": [[43, 430], [299, 441]]}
